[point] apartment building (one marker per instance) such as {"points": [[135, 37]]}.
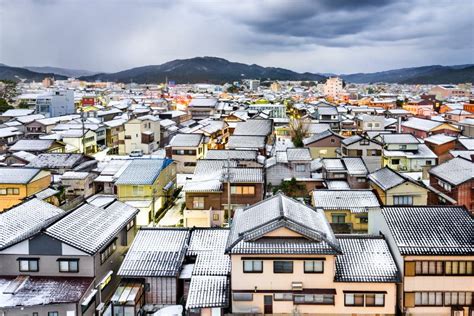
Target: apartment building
{"points": [[286, 260], [55, 103]]}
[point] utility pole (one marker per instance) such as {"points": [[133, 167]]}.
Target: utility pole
{"points": [[153, 198], [227, 178], [83, 129]]}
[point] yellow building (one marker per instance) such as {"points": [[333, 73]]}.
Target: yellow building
{"points": [[17, 184], [394, 188], [346, 210], [146, 184]]}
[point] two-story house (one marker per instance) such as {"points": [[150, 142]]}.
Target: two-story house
{"points": [[433, 248], [57, 263], [360, 146], [324, 144], [17, 184], [405, 153], [346, 210], [452, 183], [326, 113], [395, 188], [186, 149], [422, 128], [287, 260], [146, 184], [207, 194], [292, 163], [141, 133]]}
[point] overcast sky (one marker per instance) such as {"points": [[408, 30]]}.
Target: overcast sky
{"points": [[340, 36]]}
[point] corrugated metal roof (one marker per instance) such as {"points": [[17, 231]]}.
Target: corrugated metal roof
{"points": [[143, 171]]}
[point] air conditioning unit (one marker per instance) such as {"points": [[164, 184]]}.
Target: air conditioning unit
{"points": [[297, 286]]}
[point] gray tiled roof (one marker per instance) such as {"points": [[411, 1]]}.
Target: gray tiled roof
{"points": [[25, 220], [155, 252], [355, 166], [353, 200], [52, 161], [231, 154], [32, 145], [90, 228], [253, 142], [365, 259], [455, 171], [253, 128], [17, 175], [421, 124], [399, 139], [142, 171], [317, 137], [212, 263], [252, 223], [298, 154], [207, 292], [431, 230], [186, 140], [207, 239], [386, 178]]}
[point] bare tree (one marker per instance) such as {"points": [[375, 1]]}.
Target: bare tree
{"points": [[299, 130]]}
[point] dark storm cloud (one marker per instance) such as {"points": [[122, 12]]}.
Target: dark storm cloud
{"points": [[305, 35]]}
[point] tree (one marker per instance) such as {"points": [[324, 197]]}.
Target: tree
{"points": [[299, 130], [290, 188], [23, 105], [4, 106]]}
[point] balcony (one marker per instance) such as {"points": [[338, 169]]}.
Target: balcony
{"points": [[148, 137]]}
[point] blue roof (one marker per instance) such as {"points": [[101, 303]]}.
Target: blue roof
{"points": [[143, 171]]}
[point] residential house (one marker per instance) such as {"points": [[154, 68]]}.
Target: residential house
{"points": [[441, 144], [367, 122], [346, 210], [186, 149], [62, 263], [287, 260], [146, 184], [394, 188], [404, 152], [188, 267], [202, 108], [369, 150], [141, 133], [14, 113], [326, 113], [244, 158], [38, 146], [78, 184], [452, 183], [432, 246], [207, 193], [79, 141], [324, 144], [17, 184], [60, 163], [422, 128], [351, 170], [113, 130], [8, 136], [285, 165]]}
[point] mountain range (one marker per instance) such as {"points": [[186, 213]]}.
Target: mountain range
{"points": [[219, 70]]}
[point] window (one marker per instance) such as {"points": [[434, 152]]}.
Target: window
{"points": [[428, 298], [242, 296], [429, 268], [403, 147], [459, 268], [283, 296], [403, 200], [253, 266], [395, 161], [444, 185], [9, 191], [282, 266], [198, 202], [364, 142], [130, 225], [314, 266], [107, 252], [375, 299], [35, 313], [190, 164], [137, 190], [68, 265], [29, 265], [323, 299], [300, 168], [360, 179], [338, 218], [53, 314], [353, 299], [458, 298], [242, 190], [429, 162]]}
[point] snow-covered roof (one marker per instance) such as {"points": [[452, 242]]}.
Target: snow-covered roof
{"points": [[90, 228], [143, 171], [208, 292], [455, 171], [355, 201], [9, 175]]}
